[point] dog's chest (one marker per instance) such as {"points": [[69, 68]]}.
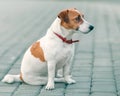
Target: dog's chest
{"points": [[65, 50], [63, 54]]}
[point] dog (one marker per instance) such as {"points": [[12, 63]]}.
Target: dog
{"points": [[52, 52]]}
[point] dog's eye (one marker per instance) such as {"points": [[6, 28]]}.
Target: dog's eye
{"points": [[78, 19], [83, 16]]}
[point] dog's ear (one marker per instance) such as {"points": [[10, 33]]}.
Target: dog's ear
{"points": [[63, 15]]}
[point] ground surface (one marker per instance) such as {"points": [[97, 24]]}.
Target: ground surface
{"points": [[97, 60]]}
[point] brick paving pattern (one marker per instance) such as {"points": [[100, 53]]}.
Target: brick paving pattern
{"points": [[96, 65]]}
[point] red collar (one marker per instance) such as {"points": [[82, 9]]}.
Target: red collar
{"points": [[65, 40]]}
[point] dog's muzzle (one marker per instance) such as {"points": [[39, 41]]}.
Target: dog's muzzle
{"points": [[85, 27]]}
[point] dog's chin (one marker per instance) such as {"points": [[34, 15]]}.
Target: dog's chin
{"points": [[86, 32]]}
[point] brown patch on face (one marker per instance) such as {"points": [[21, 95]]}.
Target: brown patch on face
{"points": [[37, 51], [64, 16], [73, 18]]}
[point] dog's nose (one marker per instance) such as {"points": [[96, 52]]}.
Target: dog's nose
{"points": [[91, 27]]}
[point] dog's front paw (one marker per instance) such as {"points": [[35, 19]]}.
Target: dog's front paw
{"points": [[50, 86], [69, 80]]}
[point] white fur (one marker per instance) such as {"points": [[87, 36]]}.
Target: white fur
{"points": [[57, 55]]}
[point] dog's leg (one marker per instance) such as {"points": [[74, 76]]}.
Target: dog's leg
{"points": [[72, 58], [68, 66], [51, 74], [60, 80], [59, 73], [67, 74]]}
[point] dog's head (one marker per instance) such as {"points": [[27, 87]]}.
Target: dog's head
{"points": [[73, 19]]}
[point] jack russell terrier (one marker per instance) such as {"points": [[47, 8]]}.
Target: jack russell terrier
{"points": [[52, 52]]}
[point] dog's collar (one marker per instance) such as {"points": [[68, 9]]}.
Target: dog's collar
{"points": [[65, 40]]}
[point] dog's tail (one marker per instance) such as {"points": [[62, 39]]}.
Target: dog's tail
{"points": [[11, 78]]}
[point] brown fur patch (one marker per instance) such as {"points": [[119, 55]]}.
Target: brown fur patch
{"points": [[21, 78], [70, 15], [37, 51]]}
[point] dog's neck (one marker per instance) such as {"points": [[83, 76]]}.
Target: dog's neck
{"points": [[57, 28]]}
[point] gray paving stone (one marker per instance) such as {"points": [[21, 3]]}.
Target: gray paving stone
{"points": [[102, 62], [104, 76], [7, 88], [102, 69], [103, 94], [60, 85], [118, 92], [78, 91], [27, 90], [79, 85], [77, 94], [56, 92], [82, 73], [82, 79], [103, 82], [103, 88], [5, 93], [80, 68]]}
